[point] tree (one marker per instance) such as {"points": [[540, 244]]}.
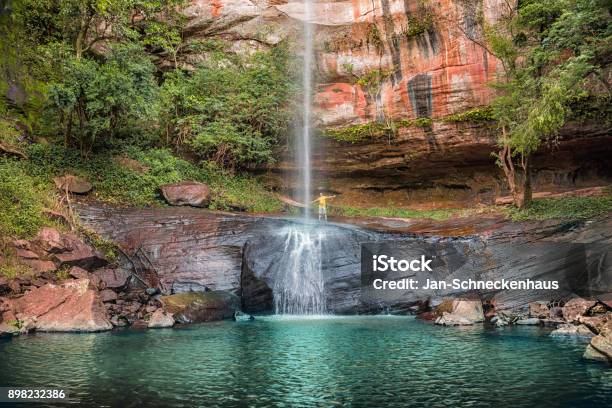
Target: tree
{"points": [[549, 50], [94, 98], [91, 56], [231, 110]]}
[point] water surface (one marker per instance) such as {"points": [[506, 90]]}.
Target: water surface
{"points": [[315, 362]]}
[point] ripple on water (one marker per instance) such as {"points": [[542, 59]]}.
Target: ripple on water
{"points": [[383, 361]]}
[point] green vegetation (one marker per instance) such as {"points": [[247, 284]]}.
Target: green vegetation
{"points": [[106, 247], [232, 111], [553, 52], [96, 86], [137, 182], [360, 132], [9, 266], [83, 90], [63, 273], [371, 130], [574, 208], [479, 114], [25, 185], [22, 200], [374, 38], [420, 22], [439, 214]]}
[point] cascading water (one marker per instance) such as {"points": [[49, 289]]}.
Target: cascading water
{"points": [[299, 288], [305, 149]]}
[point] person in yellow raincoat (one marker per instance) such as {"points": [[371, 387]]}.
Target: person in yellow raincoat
{"points": [[322, 200]]}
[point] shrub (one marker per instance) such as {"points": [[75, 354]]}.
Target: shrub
{"points": [[574, 208], [479, 114]]}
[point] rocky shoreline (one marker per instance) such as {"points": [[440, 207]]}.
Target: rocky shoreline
{"points": [[589, 319], [95, 294], [184, 265]]}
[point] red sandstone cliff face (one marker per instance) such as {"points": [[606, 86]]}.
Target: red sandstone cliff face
{"points": [[434, 65]]}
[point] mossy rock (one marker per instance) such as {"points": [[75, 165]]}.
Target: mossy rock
{"points": [[194, 307]]}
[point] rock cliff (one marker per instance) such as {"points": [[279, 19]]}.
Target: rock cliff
{"points": [[391, 61]]}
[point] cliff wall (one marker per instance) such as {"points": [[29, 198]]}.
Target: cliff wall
{"points": [[391, 62]]}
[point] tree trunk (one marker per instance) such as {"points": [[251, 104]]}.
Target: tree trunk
{"points": [[79, 44], [527, 195], [68, 129], [505, 159]]}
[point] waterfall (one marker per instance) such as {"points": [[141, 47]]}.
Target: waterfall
{"points": [[299, 287], [305, 148]]}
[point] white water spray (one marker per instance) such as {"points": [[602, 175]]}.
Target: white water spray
{"points": [[299, 285]]}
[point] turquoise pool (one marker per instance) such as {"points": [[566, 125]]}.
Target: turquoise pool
{"points": [[318, 362]]}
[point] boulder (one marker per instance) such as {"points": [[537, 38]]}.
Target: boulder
{"points": [[193, 307], [8, 329], [78, 273], [7, 316], [130, 308], [463, 312], [21, 244], [575, 308], [72, 184], [39, 266], [68, 307], [50, 240], [14, 285], [597, 322], [107, 295], [113, 278], [600, 347], [25, 254], [556, 312], [160, 319], [189, 193], [243, 317], [139, 324], [5, 304], [68, 249], [572, 330], [82, 256], [117, 321], [532, 321], [539, 309], [500, 320]]}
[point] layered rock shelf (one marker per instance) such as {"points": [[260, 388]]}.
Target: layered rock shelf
{"points": [[194, 250]]}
